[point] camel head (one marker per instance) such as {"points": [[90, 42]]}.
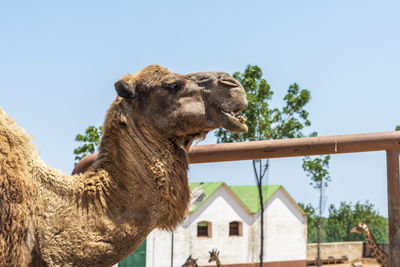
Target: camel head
{"points": [[359, 228], [184, 107]]}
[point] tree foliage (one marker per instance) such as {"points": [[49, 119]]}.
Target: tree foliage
{"points": [[90, 142], [317, 170], [341, 219], [312, 222], [263, 121], [266, 123]]}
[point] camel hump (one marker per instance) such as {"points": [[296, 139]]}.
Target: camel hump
{"points": [[16, 191], [84, 164], [11, 134]]}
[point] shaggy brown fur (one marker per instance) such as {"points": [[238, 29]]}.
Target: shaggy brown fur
{"points": [[137, 183]]}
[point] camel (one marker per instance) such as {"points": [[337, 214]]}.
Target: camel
{"points": [[214, 256], [137, 183], [190, 262]]}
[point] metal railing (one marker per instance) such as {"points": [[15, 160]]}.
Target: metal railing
{"points": [[352, 143]]}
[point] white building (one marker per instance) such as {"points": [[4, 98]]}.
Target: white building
{"points": [[227, 218]]}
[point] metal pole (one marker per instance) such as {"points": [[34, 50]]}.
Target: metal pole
{"points": [[393, 183], [295, 147]]}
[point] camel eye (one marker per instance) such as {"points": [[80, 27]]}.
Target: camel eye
{"points": [[172, 87]]}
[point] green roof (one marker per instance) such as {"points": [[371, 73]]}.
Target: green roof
{"points": [[201, 192], [247, 194]]}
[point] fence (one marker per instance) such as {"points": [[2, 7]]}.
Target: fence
{"points": [[385, 141], [350, 250]]}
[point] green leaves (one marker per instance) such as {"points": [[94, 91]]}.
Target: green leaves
{"points": [[263, 121], [312, 222], [336, 228], [341, 220], [317, 170], [90, 142]]}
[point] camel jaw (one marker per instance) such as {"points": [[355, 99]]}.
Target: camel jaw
{"points": [[232, 120]]}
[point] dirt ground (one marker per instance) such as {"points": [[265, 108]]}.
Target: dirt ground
{"points": [[366, 262]]}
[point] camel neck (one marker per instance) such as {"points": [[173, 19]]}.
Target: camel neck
{"points": [[127, 138], [138, 183], [146, 166]]}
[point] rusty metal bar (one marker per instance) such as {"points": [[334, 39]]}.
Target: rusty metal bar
{"points": [[294, 147], [283, 148], [393, 184]]}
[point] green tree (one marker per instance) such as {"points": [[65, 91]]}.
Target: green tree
{"points": [[312, 221], [317, 170], [266, 123], [342, 219], [90, 142]]}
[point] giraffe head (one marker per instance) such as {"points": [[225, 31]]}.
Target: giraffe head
{"points": [[190, 262], [359, 228], [213, 255]]}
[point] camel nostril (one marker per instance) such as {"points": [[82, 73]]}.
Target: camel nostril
{"points": [[229, 82]]}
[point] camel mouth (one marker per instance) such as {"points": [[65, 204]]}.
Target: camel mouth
{"points": [[233, 121], [186, 141]]}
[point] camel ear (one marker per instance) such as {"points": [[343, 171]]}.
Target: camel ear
{"points": [[125, 90]]}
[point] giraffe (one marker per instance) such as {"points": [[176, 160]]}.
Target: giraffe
{"points": [[190, 262], [376, 251], [214, 257]]}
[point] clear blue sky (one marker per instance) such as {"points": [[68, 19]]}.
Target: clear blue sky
{"points": [[59, 60]]}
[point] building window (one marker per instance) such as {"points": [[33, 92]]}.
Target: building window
{"points": [[204, 229], [235, 229]]}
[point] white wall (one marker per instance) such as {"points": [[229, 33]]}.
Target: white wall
{"points": [[285, 234], [285, 230]]}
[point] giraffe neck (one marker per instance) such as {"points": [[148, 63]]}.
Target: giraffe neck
{"points": [[376, 251], [218, 263]]}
